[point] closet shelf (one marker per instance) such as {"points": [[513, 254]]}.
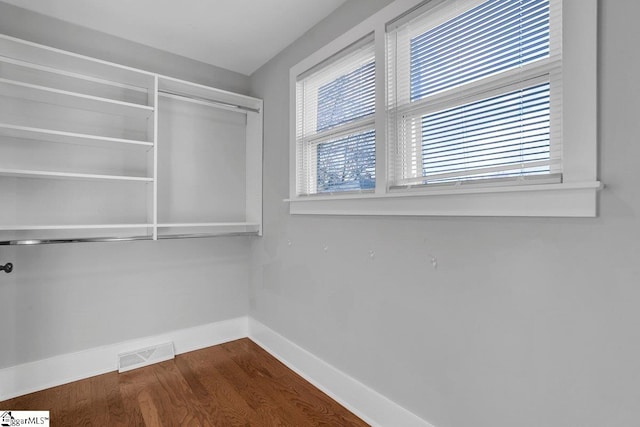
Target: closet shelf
{"points": [[50, 135], [70, 62], [208, 224], [72, 227], [71, 74], [207, 229], [210, 234], [123, 239], [21, 173], [171, 87], [184, 152], [17, 89]]}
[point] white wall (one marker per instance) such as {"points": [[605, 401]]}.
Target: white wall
{"points": [[526, 322], [69, 297]]}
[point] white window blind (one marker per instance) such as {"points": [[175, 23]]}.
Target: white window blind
{"points": [[335, 137], [475, 92]]}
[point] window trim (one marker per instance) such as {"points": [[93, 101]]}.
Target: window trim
{"points": [[576, 196], [308, 85]]}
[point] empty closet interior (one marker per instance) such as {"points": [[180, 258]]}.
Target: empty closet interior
{"points": [[97, 151]]}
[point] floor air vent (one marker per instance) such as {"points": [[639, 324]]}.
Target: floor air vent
{"points": [[146, 356]]}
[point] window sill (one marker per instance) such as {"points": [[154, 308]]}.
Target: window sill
{"points": [[537, 200]]}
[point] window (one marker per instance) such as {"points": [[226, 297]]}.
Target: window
{"points": [[335, 140], [468, 107], [475, 92]]}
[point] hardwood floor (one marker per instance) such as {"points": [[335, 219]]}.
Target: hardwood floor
{"points": [[233, 384]]}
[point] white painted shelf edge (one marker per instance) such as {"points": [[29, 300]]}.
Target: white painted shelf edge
{"points": [[166, 82], [70, 74], [208, 224], [21, 173], [65, 56], [208, 93], [72, 227], [51, 135], [70, 99], [214, 229], [207, 229], [141, 225]]}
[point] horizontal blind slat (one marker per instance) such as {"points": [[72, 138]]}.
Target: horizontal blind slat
{"points": [[447, 55], [467, 33], [457, 54], [490, 171], [483, 112], [347, 164], [524, 142], [498, 37], [334, 129]]}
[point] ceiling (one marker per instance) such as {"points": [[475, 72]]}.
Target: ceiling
{"points": [[240, 35]]}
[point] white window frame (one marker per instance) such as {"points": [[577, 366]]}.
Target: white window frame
{"points": [[576, 196], [307, 145]]}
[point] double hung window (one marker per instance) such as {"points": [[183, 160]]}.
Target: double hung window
{"points": [[335, 139], [474, 92], [451, 107]]}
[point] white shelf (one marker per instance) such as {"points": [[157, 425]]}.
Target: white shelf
{"points": [[17, 89], [21, 173], [199, 92], [70, 74], [72, 227], [209, 224], [204, 230], [207, 229], [52, 96], [65, 61], [213, 225], [39, 134]]}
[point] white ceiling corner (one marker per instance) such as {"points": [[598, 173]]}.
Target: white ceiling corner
{"points": [[240, 35]]}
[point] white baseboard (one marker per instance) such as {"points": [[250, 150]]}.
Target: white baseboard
{"points": [[366, 403], [39, 375]]}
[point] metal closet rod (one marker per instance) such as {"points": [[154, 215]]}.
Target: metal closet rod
{"points": [[123, 239], [208, 101], [76, 240]]}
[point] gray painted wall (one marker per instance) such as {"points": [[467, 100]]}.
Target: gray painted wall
{"points": [[27, 25], [525, 322], [69, 297]]}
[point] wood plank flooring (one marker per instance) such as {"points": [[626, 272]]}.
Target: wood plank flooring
{"points": [[233, 384]]}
